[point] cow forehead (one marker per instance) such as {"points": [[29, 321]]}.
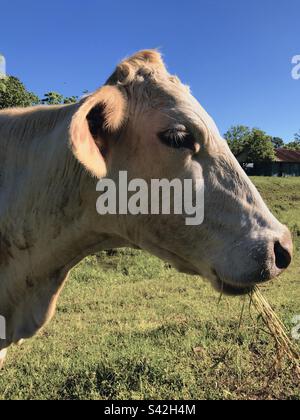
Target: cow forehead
{"points": [[190, 108], [176, 102], [149, 85]]}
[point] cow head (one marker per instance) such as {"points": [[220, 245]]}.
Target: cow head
{"points": [[147, 123]]}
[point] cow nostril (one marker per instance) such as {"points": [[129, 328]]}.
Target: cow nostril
{"points": [[283, 257]]}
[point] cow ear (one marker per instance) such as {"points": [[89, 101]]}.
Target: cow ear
{"points": [[98, 118]]}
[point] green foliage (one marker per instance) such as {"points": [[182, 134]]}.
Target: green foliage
{"points": [[14, 94], [2, 86], [277, 142], [255, 145], [261, 147], [54, 98], [70, 100], [128, 327], [294, 145], [237, 138]]}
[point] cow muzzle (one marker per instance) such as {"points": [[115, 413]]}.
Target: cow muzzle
{"points": [[269, 259]]}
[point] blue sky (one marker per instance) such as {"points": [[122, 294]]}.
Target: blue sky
{"points": [[235, 54]]}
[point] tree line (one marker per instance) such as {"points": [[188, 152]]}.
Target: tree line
{"points": [[256, 145], [14, 94], [253, 145]]}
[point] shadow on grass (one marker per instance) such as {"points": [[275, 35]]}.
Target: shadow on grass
{"points": [[121, 380]]}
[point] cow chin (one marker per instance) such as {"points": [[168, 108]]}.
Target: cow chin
{"points": [[182, 265], [220, 285], [230, 290]]}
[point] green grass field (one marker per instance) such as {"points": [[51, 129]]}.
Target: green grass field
{"points": [[127, 327]]}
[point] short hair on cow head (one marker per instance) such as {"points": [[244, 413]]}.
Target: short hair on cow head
{"points": [[141, 64]]}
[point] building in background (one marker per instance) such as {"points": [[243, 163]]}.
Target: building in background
{"points": [[287, 163]]}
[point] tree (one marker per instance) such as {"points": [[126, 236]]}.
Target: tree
{"points": [[237, 138], [254, 145], [71, 100], [293, 145], [277, 142], [54, 98], [260, 147], [14, 94]]}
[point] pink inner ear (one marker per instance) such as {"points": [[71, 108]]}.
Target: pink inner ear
{"points": [[86, 150], [83, 144]]}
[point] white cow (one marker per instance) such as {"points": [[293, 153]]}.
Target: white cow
{"points": [[146, 122]]}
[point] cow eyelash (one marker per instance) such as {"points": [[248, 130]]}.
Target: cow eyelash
{"points": [[178, 139]]}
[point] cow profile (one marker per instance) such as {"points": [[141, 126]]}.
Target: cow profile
{"points": [[145, 122]]}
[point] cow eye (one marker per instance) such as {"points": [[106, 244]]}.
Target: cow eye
{"points": [[178, 139]]}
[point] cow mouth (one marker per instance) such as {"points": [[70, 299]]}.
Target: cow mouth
{"points": [[230, 290], [223, 286], [220, 285]]}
